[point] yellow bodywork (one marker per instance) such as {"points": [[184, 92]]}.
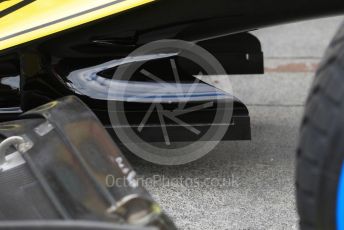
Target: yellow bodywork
{"points": [[39, 18]]}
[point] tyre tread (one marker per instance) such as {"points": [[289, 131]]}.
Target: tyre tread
{"points": [[323, 104]]}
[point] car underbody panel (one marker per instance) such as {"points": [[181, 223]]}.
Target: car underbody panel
{"points": [[32, 79], [55, 60]]}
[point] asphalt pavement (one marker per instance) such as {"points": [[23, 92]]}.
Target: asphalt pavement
{"points": [[250, 185]]}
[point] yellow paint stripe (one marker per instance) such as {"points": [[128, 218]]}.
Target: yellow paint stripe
{"points": [[60, 26], [8, 4]]}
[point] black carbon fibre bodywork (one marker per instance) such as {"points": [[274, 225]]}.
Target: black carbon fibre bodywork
{"points": [[35, 73]]}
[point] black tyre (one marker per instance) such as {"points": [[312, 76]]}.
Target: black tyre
{"points": [[320, 169]]}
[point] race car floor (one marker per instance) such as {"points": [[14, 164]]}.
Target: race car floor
{"points": [[252, 184]]}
